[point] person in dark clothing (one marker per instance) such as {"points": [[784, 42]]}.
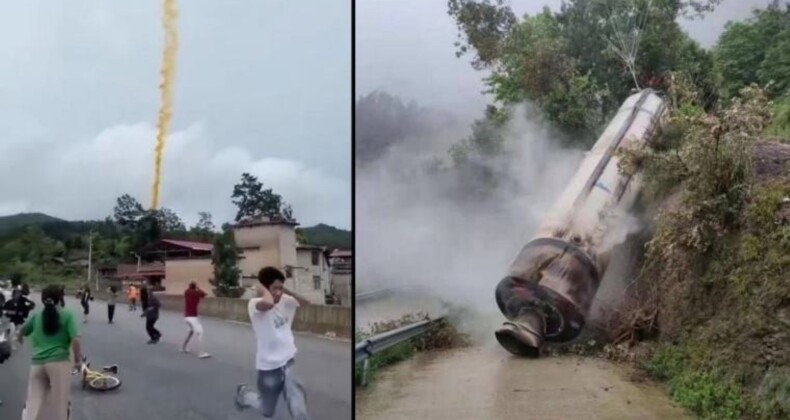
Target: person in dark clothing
{"points": [[85, 298], [151, 313], [111, 298], [17, 310], [62, 297]]}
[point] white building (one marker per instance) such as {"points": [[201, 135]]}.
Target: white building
{"points": [[312, 272]]}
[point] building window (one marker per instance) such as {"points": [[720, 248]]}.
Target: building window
{"points": [[317, 282], [316, 255]]}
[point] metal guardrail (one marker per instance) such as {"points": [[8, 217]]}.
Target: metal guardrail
{"points": [[370, 346], [373, 294]]}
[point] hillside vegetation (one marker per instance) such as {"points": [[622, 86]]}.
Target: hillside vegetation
{"points": [[709, 312]]}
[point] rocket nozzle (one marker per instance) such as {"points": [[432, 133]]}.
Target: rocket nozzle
{"points": [[523, 336]]}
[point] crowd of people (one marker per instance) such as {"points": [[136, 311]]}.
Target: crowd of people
{"points": [[54, 339]]}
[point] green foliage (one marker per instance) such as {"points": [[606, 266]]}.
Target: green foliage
{"points": [[253, 201], [716, 264], [225, 258], [481, 25], [577, 65], [325, 235], [708, 396], [204, 229], [780, 125], [695, 386], [756, 51]]}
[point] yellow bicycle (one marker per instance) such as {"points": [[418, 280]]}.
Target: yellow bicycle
{"points": [[104, 380]]}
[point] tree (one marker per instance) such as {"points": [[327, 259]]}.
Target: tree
{"points": [[204, 228], [756, 51], [579, 65], [225, 258], [482, 26], [148, 230], [253, 201], [128, 211], [169, 220]]}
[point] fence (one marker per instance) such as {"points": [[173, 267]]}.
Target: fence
{"points": [[370, 346]]}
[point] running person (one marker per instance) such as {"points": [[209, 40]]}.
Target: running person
{"points": [[53, 335], [150, 305], [17, 310], [85, 298], [192, 297], [272, 314], [112, 297], [133, 295]]}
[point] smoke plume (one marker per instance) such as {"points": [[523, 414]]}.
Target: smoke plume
{"points": [[166, 89], [431, 235]]}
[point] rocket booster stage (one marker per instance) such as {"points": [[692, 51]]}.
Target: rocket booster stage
{"points": [[551, 285]]}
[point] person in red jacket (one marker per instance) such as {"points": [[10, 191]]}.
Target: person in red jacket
{"points": [[192, 297]]}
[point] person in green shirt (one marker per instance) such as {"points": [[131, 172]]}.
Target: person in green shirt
{"points": [[53, 336]]}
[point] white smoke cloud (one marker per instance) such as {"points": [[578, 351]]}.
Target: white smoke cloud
{"points": [[81, 179], [410, 236]]}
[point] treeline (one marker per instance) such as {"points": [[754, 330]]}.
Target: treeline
{"points": [[56, 249], [577, 66]]}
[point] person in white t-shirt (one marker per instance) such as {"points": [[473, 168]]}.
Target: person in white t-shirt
{"points": [[272, 314]]}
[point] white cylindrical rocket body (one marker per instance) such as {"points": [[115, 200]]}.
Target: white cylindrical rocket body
{"points": [[558, 272]]}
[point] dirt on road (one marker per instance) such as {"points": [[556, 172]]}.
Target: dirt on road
{"points": [[487, 383]]}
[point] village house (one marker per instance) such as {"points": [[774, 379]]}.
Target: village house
{"points": [[312, 272], [341, 276], [171, 264]]}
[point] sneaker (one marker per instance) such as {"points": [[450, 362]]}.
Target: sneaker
{"points": [[204, 356], [183, 350], [240, 403]]}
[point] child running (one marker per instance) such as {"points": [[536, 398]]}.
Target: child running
{"points": [[272, 314]]}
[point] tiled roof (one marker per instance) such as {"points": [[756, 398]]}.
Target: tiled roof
{"points": [[195, 246]]}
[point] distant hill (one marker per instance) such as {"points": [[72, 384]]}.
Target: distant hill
{"points": [[321, 234], [328, 236], [24, 219]]}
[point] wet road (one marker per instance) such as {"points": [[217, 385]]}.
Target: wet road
{"points": [[159, 383], [485, 383]]}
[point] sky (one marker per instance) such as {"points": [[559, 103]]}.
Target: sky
{"points": [[261, 87], [405, 47]]}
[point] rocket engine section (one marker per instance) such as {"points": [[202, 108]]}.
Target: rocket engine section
{"points": [[550, 287]]}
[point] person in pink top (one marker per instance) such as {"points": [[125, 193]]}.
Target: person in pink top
{"points": [[192, 297]]}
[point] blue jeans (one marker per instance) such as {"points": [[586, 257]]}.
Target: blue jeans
{"points": [[272, 383]]}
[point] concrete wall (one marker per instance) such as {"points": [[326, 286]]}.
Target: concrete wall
{"points": [[318, 319], [179, 272]]}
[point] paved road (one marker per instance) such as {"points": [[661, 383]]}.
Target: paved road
{"points": [[487, 383], [161, 383]]}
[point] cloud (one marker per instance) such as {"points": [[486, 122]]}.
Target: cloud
{"points": [[269, 96], [81, 179]]}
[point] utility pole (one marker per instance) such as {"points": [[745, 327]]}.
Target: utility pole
{"points": [[90, 260]]}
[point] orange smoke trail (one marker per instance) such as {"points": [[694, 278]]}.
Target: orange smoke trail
{"points": [[166, 88]]}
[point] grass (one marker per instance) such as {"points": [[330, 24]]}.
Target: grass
{"points": [[708, 394]]}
